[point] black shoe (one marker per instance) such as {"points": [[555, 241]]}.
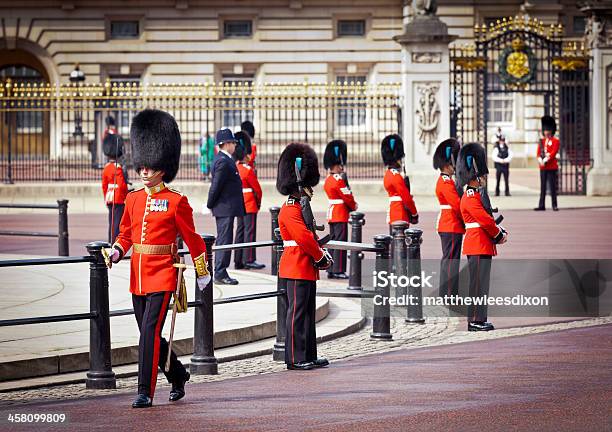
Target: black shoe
{"points": [[142, 401], [226, 281], [340, 275], [539, 209], [496, 193], [239, 266], [305, 365], [555, 208], [508, 194], [480, 326], [255, 265], [321, 362], [178, 388]]}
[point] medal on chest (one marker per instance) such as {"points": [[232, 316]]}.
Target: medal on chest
{"points": [[159, 205]]}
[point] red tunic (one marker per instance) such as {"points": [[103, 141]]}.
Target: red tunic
{"points": [[480, 225], [155, 218], [114, 186], [253, 154], [449, 219], [251, 189], [401, 204], [301, 248], [340, 197], [551, 147]]}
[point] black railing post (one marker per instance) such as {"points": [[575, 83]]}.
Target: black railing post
{"points": [[278, 353], [203, 360], [63, 248], [414, 312], [381, 320], [398, 253], [100, 374], [274, 224], [357, 222]]}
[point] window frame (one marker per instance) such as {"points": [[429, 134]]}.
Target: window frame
{"points": [[109, 19]]}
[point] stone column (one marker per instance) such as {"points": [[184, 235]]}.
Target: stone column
{"points": [[426, 90]]}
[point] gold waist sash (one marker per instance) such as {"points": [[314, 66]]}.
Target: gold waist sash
{"points": [[150, 249]]}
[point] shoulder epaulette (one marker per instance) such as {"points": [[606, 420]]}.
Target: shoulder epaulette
{"points": [[136, 190], [171, 189]]}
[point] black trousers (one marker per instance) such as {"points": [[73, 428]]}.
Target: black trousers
{"points": [[502, 170], [225, 234], [246, 232], [338, 231], [150, 311], [449, 264], [548, 177], [480, 276], [114, 218], [300, 334]]}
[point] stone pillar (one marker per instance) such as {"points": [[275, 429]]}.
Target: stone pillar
{"points": [[426, 90], [599, 37]]}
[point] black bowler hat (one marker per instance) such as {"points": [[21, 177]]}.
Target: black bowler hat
{"points": [[224, 135]]}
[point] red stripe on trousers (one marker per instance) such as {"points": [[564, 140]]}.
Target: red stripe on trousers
{"points": [[293, 324], [156, 342]]}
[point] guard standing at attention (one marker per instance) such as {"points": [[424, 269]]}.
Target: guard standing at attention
{"points": [[154, 216], [548, 149], [248, 127], [114, 183], [449, 223], [482, 232], [341, 203], [401, 203], [246, 228], [302, 258]]}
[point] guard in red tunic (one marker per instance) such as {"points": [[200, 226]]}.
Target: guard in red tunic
{"points": [[302, 257], [449, 223], [401, 203], [482, 233], [248, 127], [548, 150], [154, 216], [246, 228], [114, 183], [341, 203]]}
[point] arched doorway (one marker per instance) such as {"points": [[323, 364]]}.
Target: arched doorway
{"points": [[24, 132]]}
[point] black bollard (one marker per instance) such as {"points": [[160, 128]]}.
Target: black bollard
{"points": [[278, 353], [414, 312], [357, 222], [62, 239], [100, 374], [398, 254], [381, 321], [274, 224], [203, 360]]}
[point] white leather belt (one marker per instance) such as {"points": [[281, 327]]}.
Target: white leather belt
{"points": [[247, 190], [288, 243], [445, 207], [472, 225], [395, 198], [335, 201]]}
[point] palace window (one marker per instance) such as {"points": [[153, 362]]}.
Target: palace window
{"points": [[351, 28], [124, 29], [500, 107], [351, 110], [237, 28]]}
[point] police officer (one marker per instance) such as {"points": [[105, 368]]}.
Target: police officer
{"points": [[246, 228], [401, 203], [482, 233], [225, 201], [548, 148], [341, 203], [449, 223], [502, 156], [302, 257], [154, 216]]}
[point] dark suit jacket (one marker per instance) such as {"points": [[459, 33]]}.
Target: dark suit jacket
{"points": [[225, 193]]}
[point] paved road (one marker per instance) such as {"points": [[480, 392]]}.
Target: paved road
{"points": [[557, 381], [580, 233]]}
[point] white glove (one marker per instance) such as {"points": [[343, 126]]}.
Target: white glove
{"points": [[114, 256], [203, 282]]}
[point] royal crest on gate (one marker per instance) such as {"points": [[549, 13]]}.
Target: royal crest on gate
{"points": [[517, 65]]}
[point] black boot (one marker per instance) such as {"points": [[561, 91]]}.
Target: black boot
{"points": [[480, 326], [321, 362], [178, 388], [142, 401], [305, 365]]}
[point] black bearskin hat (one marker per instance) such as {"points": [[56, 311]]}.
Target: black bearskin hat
{"points": [[446, 153], [286, 181], [156, 142], [471, 163], [243, 145], [109, 120], [335, 154], [248, 127], [392, 149], [548, 123], [112, 146]]}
